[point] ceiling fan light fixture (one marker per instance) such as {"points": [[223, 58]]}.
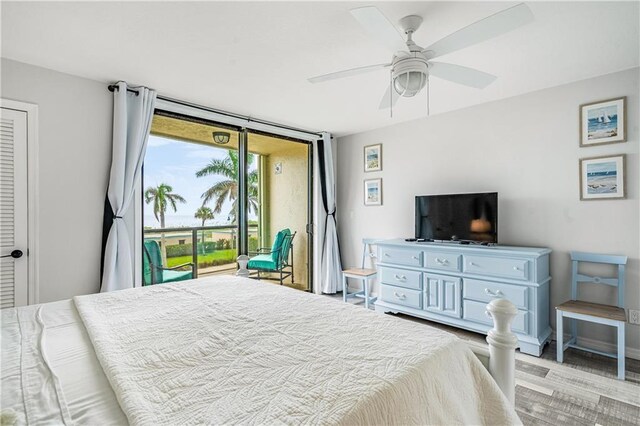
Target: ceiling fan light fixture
{"points": [[409, 83], [409, 76], [221, 138]]}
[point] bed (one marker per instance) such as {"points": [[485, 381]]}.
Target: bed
{"points": [[229, 350]]}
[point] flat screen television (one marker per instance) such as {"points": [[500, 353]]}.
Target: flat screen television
{"points": [[458, 217]]}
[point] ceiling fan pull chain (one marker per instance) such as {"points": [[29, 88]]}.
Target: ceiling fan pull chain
{"points": [[428, 95], [391, 93]]}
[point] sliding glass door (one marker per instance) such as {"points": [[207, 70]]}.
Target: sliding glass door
{"points": [[279, 196], [190, 200], [212, 192]]}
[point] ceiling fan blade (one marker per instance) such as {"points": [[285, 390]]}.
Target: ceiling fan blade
{"points": [[347, 73], [378, 26], [390, 95], [461, 75], [485, 29]]}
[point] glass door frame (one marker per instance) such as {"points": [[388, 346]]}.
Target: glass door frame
{"points": [[242, 214], [243, 152]]}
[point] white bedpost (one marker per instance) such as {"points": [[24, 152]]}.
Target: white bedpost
{"points": [[502, 345], [243, 260]]}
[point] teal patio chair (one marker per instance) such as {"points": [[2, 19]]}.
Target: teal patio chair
{"points": [[276, 259], [154, 271]]}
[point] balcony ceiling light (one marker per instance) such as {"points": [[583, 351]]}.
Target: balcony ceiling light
{"points": [[221, 138]]}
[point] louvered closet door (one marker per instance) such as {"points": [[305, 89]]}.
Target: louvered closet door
{"points": [[13, 207]]}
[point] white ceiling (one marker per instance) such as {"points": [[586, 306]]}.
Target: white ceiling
{"points": [[254, 58]]}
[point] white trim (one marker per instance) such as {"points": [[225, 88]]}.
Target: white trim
{"points": [[33, 187], [601, 346]]}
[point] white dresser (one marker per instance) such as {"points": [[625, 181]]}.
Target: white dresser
{"points": [[452, 284]]}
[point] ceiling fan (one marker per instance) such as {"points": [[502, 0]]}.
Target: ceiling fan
{"points": [[412, 65]]}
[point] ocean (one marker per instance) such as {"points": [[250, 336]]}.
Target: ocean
{"points": [[599, 129], [180, 221]]}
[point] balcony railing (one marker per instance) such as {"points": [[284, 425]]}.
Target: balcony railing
{"points": [[211, 249]]}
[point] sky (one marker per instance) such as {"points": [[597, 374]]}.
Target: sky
{"points": [[175, 163]]}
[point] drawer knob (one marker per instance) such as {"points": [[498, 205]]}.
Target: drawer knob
{"points": [[387, 255], [492, 293], [472, 264], [416, 257], [400, 277], [515, 268], [400, 296]]}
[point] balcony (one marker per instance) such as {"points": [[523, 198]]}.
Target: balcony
{"points": [[211, 249]]}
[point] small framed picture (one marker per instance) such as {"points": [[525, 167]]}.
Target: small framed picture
{"points": [[602, 177], [373, 158], [603, 122], [373, 192]]}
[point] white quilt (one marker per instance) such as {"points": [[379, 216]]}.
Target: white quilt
{"points": [[236, 351]]}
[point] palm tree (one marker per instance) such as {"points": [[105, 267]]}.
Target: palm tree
{"points": [[204, 213], [162, 196], [228, 188]]}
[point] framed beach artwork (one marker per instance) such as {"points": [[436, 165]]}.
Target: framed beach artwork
{"points": [[373, 192], [603, 122], [373, 158], [602, 177]]}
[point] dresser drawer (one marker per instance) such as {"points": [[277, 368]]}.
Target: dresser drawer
{"points": [[400, 257], [497, 266], [401, 296], [401, 277], [442, 261], [485, 291], [476, 312]]}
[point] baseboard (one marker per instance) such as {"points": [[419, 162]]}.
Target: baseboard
{"points": [[599, 345]]}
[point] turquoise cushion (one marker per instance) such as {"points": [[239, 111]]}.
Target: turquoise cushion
{"points": [[262, 261], [277, 244], [152, 255], [173, 276]]}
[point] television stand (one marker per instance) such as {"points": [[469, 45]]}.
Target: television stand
{"points": [[452, 283]]}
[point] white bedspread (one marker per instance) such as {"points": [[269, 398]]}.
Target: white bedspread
{"points": [[236, 351], [50, 374]]}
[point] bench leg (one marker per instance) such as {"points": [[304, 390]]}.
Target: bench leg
{"points": [[621, 351], [344, 288], [559, 337]]}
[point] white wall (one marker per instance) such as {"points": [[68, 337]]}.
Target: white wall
{"points": [[526, 149], [75, 118]]}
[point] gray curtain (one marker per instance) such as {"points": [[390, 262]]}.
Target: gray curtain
{"points": [[331, 265], [132, 115]]}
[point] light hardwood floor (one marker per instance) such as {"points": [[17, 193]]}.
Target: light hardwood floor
{"points": [[581, 391]]}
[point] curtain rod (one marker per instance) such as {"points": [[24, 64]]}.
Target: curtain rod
{"points": [[238, 116], [114, 87]]}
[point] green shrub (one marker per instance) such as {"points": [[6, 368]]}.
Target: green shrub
{"points": [[253, 243], [215, 258]]}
